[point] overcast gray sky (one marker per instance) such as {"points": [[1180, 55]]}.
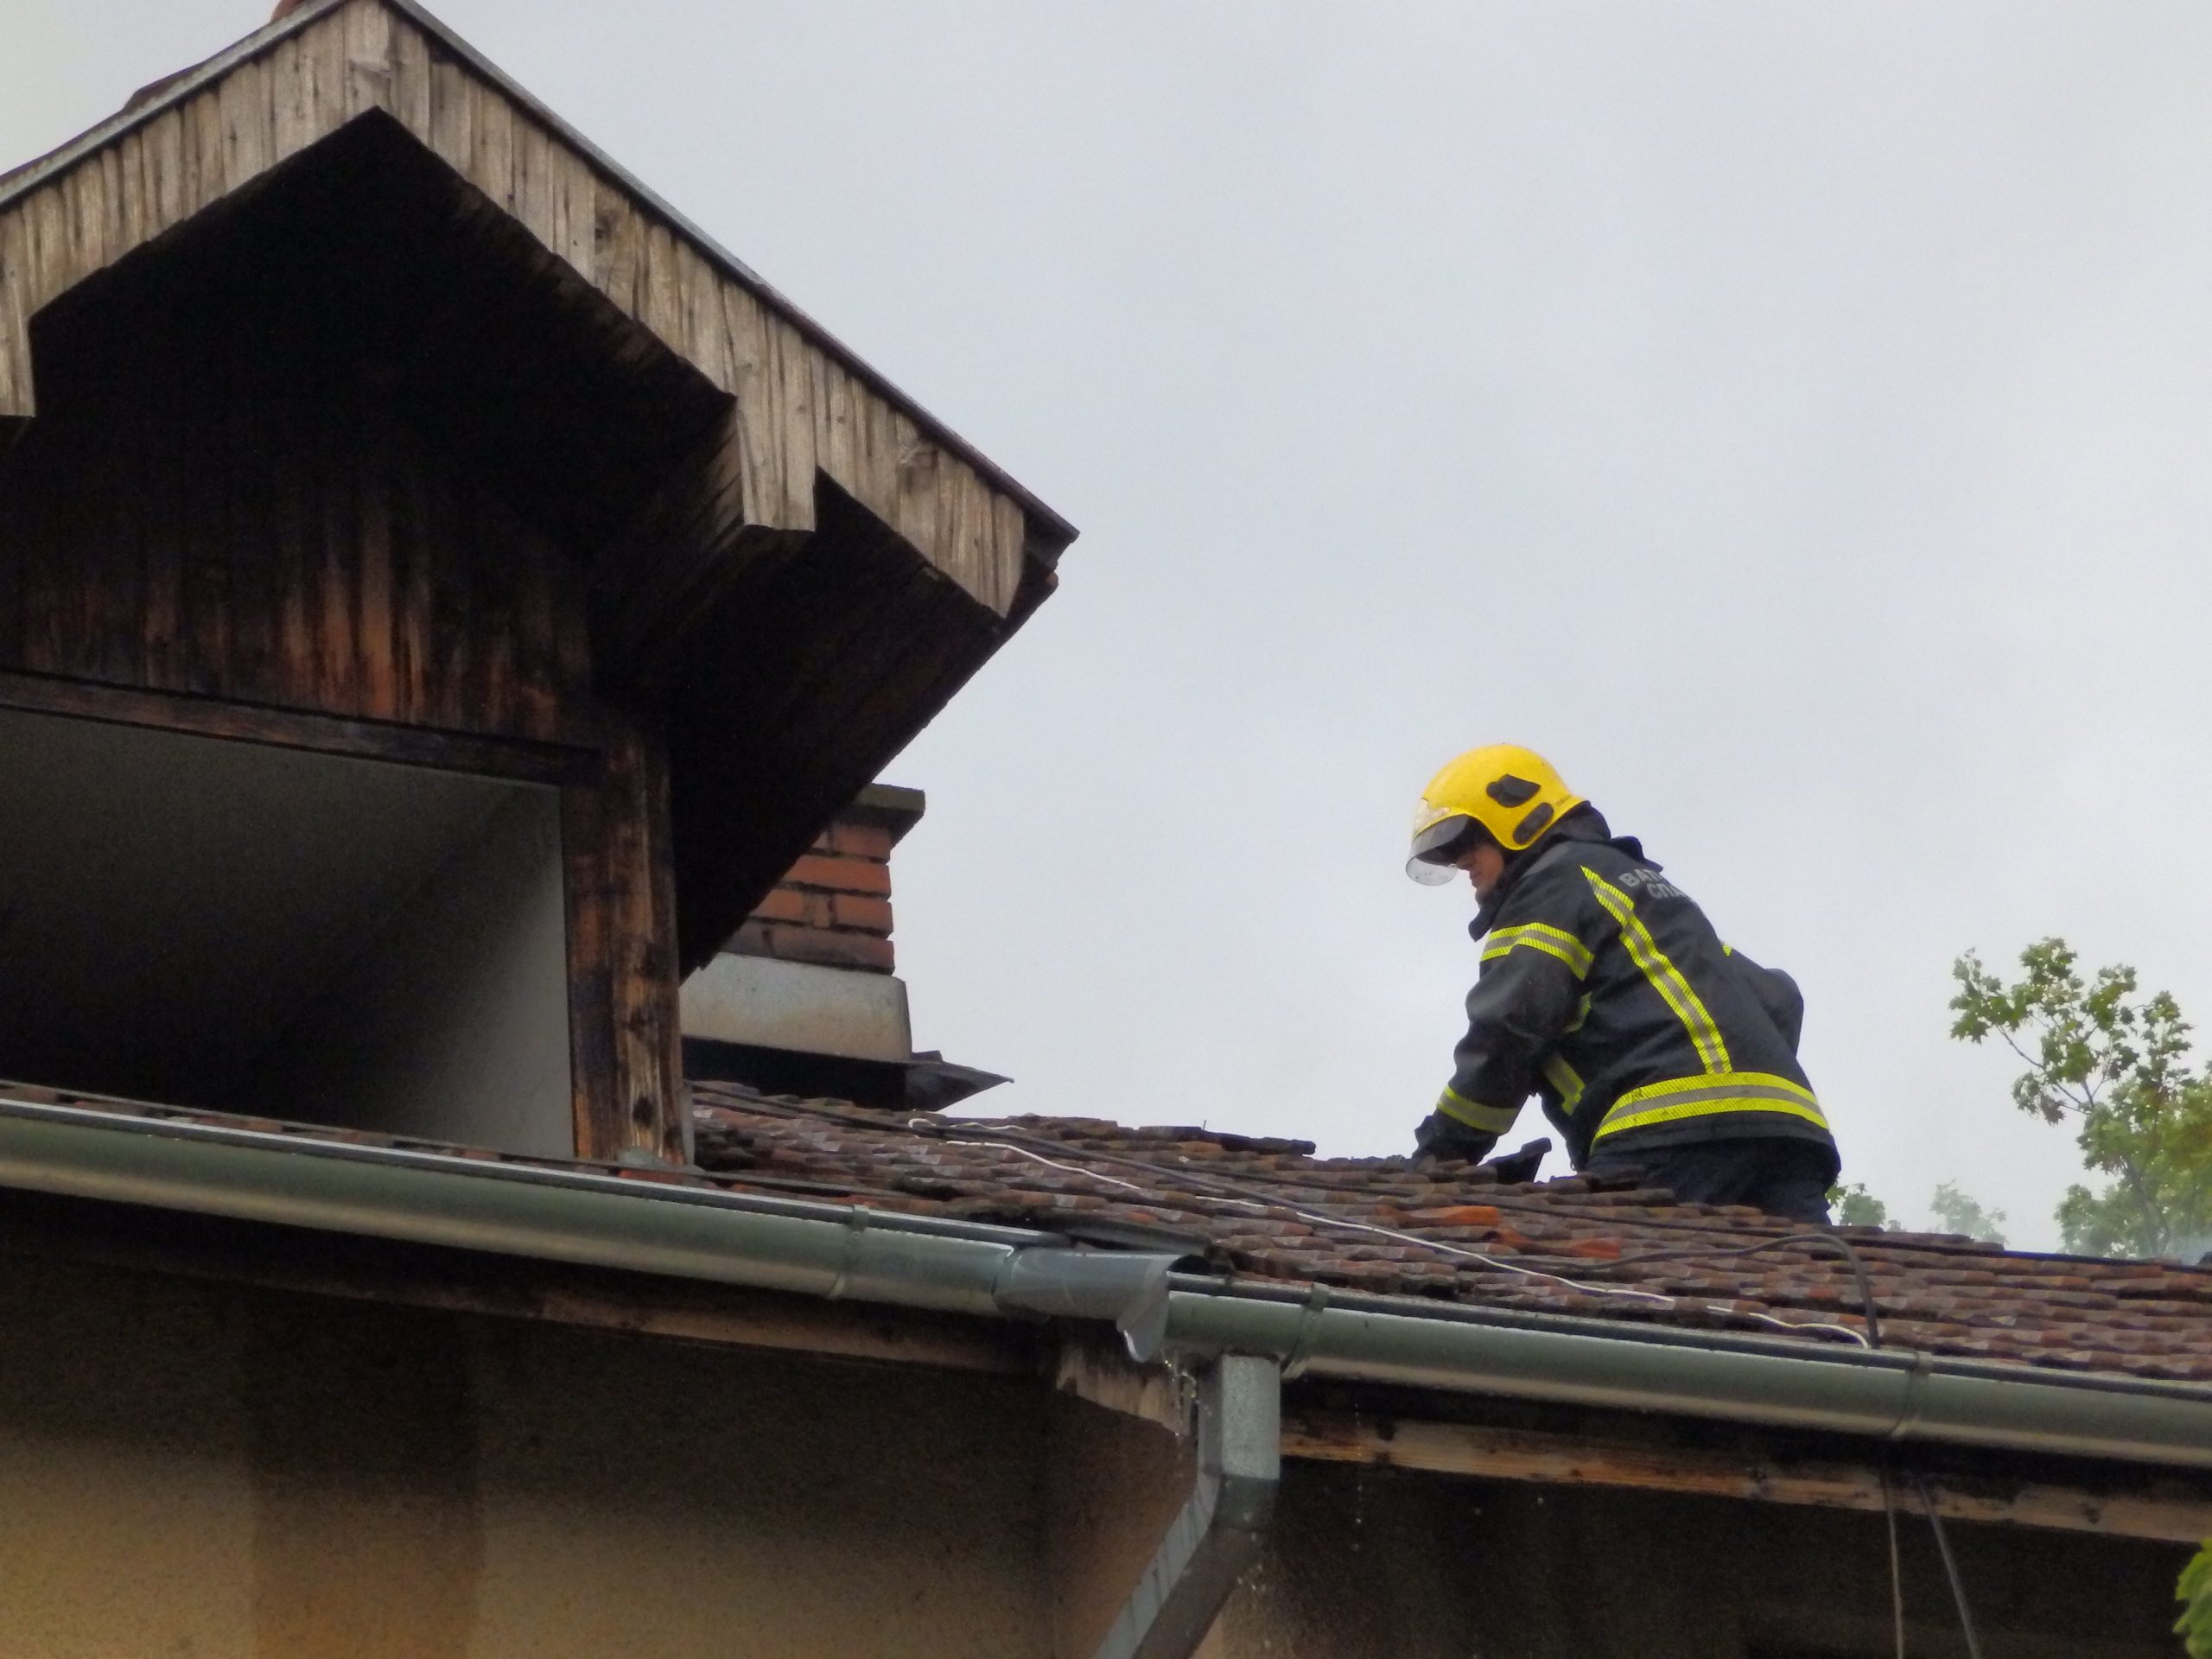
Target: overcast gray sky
{"points": [[1792, 419]]}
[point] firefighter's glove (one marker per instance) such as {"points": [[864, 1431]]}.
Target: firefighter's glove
{"points": [[1522, 1164], [1440, 1139]]}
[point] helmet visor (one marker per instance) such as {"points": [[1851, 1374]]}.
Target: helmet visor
{"points": [[1438, 848]]}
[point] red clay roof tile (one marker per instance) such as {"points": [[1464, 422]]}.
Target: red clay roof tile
{"points": [[1269, 1208]]}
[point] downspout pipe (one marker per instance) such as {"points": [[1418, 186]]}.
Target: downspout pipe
{"points": [[1217, 1533]]}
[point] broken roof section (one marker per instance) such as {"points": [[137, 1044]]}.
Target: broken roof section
{"points": [[781, 549]]}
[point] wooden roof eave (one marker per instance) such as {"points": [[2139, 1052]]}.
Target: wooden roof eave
{"points": [[803, 403]]}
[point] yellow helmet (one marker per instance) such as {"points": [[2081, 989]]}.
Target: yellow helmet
{"points": [[1509, 794]]}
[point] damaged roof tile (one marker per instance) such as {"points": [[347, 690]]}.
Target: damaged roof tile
{"points": [[1269, 1208]]}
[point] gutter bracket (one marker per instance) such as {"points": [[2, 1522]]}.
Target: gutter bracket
{"points": [[1216, 1535], [856, 1225], [1916, 1394], [1309, 1325]]}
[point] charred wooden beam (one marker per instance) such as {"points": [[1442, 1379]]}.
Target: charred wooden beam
{"points": [[625, 1041], [2150, 1508], [411, 746]]}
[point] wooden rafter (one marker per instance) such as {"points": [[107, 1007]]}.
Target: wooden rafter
{"points": [[2154, 1509]]}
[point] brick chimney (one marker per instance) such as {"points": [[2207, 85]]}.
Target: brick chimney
{"points": [[833, 907], [803, 999]]}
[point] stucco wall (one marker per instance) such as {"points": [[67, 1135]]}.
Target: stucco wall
{"points": [[194, 1469], [198, 1471], [1113, 1483]]}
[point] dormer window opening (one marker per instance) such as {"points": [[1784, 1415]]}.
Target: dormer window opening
{"points": [[243, 927]]}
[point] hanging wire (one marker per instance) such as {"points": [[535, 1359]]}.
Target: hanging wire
{"points": [[1896, 1562], [1950, 1569]]}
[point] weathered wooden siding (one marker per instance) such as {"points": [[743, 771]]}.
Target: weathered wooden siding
{"points": [[626, 1037], [236, 514], [233, 506], [800, 405]]}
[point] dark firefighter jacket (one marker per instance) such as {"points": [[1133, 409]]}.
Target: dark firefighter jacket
{"points": [[1604, 991]]}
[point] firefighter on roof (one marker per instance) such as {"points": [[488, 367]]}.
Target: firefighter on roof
{"points": [[1659, 1052]]}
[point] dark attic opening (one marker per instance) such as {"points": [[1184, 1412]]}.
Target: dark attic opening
{"points": [[239, 926]]}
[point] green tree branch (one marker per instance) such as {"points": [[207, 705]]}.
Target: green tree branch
{"points": [[2119, 1068]]}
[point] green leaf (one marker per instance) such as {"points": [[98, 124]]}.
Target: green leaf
{"points": [[1856, 1207], [1955, 1212], [2194, 1592]]}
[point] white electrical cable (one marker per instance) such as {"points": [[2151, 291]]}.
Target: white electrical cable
{"points": [[1069, 1169], [1322, 1219]]}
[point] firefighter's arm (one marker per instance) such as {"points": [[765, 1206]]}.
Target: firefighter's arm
{"points": [[1531, 979], [1778, 993]]}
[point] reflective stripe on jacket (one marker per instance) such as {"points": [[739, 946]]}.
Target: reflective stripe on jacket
{"points": [[1604, 991]]}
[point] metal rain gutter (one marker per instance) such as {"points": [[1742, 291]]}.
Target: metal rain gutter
{"points": [[554, 1214], [1889, 1394], [843, 1250]]}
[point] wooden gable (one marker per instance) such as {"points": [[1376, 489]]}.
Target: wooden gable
{"points": [[342, 384]]}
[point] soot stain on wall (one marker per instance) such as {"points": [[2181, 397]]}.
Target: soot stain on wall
{"points": [[367, 1524]]}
